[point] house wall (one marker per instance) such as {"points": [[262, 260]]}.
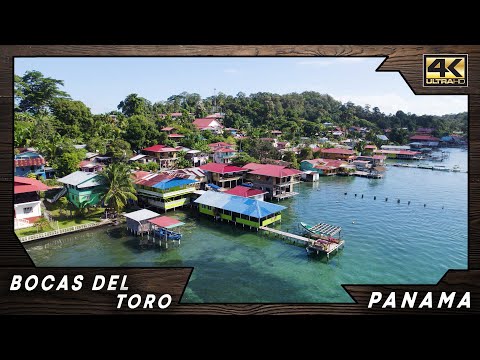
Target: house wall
{"points": [[91, 196], [33, 209], [23, 171]]}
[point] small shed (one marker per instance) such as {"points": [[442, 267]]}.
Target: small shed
{"points": [[310, 176], [137, 221]]}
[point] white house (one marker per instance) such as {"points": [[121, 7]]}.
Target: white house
{"points": [[26, 202]]}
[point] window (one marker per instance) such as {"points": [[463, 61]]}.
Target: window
{"points": [[27, 210], [86, 197]]}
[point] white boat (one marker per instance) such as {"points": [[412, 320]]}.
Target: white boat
{"points": [[440, 168], [456, 168]]}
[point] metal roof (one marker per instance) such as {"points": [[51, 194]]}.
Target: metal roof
{"points": [[81, 179], [166, 222], [170, 183], [136, 157], [141, 215], [245, 206]]}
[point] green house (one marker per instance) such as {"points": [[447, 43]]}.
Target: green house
{"points": [[83, 188]]}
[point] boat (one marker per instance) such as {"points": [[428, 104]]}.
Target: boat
{"points": [[425, 166], [440, 168], [456, 168], [316, 233], [171, 235]]}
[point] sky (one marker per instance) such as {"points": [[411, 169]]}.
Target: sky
{"points": [[101, 83]]}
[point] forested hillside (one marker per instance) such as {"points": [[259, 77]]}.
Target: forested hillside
{"points": [[47, 118]]}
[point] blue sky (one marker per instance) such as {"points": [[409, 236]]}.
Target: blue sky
{"points": [[101, 83]]}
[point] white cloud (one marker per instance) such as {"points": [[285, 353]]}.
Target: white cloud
{"points": [[230, 71], [418, 104]]}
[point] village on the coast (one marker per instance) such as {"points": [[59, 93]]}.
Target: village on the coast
{"points": [[214, 183], [230, 159]]}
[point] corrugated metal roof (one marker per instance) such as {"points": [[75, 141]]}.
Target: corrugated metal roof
{"points": [[81, 179], [136, 157], [141, 215], [170, 183], [166, 222], [245, 206]]}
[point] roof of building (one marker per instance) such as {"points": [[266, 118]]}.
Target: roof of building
{"points": [[382, 137], [140, 174], [167, 128], [25, 185], [176, 136], [275, 171], [252, 166], [219, 144], [424, 138], [166, 222], [80, 146], [244, 191], [89, 155], [221, 168], [276, 132], [137, 157], [205, 122], [370, 146], [89, 164], [174, 182], [141, 215], [29, 161], [81, 179], [160, 148], [225, 150], [245, 206], [338, 151], [323, 164]]}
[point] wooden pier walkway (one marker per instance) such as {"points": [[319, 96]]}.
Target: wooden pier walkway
{"points": [[312, 244]]}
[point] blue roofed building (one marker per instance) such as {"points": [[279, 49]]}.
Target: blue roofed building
{"points": [[238, 209], [30, 162], [166, 190]]}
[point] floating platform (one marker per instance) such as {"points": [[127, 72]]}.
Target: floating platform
{"points": [[312, 245], [368, 175]]}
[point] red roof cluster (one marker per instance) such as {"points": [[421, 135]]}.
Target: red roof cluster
{"points": [[338, 151], [204, 122], [176, 136], [244, 191], [278, 171], [25, 185], [29, 162], [424, 138], [159, 148], [219, 144], [221, 168]]}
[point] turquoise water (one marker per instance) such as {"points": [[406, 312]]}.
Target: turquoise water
{"points": [[385, 242]]}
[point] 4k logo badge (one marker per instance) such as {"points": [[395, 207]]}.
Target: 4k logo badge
{"points": [[445, 70]]}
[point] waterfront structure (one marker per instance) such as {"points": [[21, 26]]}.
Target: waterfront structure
{"points": [[83, 188], [395, 147], [166, 190], [338, 154], [277, 180], [223, 175], [248, 192], [239, 210], [427, 140], [208, 124], [30, 162], [323, 167], [26, 201], [164, 155], [399, 154], [137, 221], [375, 160], [310, 176]]}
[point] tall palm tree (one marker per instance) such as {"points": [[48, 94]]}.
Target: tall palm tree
{"points": [[119, 186]]}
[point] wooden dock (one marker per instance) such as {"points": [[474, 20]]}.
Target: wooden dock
{"points": [[320, 246]]}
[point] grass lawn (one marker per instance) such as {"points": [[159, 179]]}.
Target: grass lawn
{"points": [[64, 220]]}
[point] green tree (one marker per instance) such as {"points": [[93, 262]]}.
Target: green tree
{"points": [[119, 186], [141, 132], [134, 105], [34, 92], [243, 158], [306, 153], [182, 163], [119, 150], [291, 157], [74, 117], [68, 161]]}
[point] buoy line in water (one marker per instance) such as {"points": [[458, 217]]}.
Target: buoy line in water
{"points": [[386, 200]]}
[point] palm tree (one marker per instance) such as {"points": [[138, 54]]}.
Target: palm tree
{"points": [[119, 186]]}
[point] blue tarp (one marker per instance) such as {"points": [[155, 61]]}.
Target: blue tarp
{"points": [[245, 206], [213, 186], [171, 183]]}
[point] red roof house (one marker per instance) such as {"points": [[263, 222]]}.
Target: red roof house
{"points": [[246, 191]]}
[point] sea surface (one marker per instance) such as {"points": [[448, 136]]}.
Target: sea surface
{"points": [[385, 241]]}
